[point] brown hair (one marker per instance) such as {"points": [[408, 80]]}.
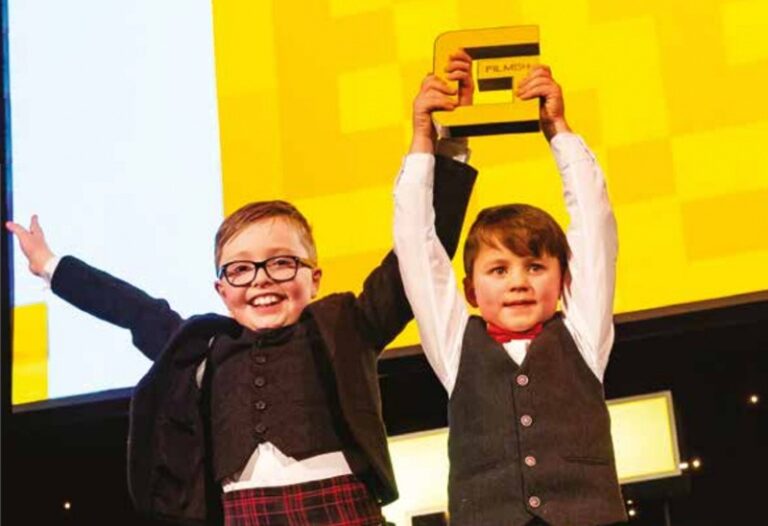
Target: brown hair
{"points": [[259, 211], [523, 229]]}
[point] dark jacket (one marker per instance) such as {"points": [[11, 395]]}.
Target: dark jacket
{"points": [[168, 467]]}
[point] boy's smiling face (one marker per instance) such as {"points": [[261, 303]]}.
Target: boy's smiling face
{"points": [[267, 304], [513, 292]]}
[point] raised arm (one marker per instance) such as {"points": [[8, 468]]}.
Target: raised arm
{"points": [[592, 235], [425, 264], [384, 299], [151, 321]]}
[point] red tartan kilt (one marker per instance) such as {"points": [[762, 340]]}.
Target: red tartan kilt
{"points": [[338, 501]]}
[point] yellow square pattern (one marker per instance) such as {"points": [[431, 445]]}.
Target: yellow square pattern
{"points": [[369, 98], [315, 103], [30, 353], [352, 7], [418, 22], [706, 164], [745, 26]]}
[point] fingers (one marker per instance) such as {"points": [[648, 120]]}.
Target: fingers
{"points": [[33, 244], [458, 65], [34, 228], [433, 83], [460, 55], [538, 83], [433, 100], [459, 61], [34, 225], [540, 87], [435, 94], [16, 229], [463, 76], [459, 69], [536, 75], [540, 70]]}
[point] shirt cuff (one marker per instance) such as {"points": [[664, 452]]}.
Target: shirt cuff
{"points": [[455, 149], [569, 148], [49, 268]]}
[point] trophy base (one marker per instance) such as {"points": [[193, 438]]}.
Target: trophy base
{"points": [[496, 128]]}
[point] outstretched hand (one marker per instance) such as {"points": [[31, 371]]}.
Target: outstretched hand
{"points": [[539, 83], [33, 244]]}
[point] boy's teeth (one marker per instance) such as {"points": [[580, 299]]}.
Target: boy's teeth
{"points": [[262, 301]]}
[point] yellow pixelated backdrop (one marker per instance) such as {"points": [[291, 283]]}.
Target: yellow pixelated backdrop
{"points": [[314, 107], [30, 353]]}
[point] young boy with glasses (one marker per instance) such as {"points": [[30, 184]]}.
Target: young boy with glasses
{"points": [[529, 432], [272, 416]]}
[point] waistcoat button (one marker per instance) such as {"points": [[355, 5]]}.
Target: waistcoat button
{"points": [[260, 358], [261, 427], [526, 420], [259, 381], [522, 380], [534, 501], [261, 405], [530, 461]]}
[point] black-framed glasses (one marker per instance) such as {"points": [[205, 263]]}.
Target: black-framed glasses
{"points": [[278, 269]]}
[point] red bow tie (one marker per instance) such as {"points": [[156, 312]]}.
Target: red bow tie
{"points": [[503, 335]]}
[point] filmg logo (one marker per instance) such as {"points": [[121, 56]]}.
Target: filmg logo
{"points": [[497, 67]]}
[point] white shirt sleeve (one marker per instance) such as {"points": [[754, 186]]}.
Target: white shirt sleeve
{"points": [[426, 269], [49, 268], [430, 282], [592, 236]]}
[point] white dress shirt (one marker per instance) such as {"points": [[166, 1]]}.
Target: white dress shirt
{"points": [[430, 282]]}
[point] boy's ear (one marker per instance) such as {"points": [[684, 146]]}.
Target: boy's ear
{"points": [[316, 275], [469, 292], [219, 288], [566, 284]]}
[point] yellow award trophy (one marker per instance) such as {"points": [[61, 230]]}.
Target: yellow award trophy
{"points": [[501, 58]]}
